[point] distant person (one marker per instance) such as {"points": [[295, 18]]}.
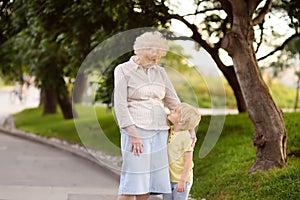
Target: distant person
{"points": [[180, 152], [26, 80]]}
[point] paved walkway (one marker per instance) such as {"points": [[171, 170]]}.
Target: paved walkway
{"points": [[32, 171]]}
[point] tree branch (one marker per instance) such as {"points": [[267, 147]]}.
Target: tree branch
{"points": [[281, 47], [261, 27], [252, 4], [196, 36], [224, 31], [263, 12], [226, 5], [204, 11], [179, 38]]}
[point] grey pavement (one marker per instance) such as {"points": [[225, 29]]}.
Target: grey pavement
{"points": [[36, 168], [33, 171]]}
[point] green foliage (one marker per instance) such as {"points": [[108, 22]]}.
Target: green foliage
{"points": [[1, 83], [293, 46], [222, 174], [50, 39], [292, 7], [283, 95], [106, 81]]}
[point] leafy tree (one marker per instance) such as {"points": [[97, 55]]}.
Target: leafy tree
{"points": [[270, 137], [233, 23], [11, 67], [229, 24], [57, 36]]}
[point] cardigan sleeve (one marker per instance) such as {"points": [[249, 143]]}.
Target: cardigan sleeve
{"points": [[171, 99], [123, 116]]}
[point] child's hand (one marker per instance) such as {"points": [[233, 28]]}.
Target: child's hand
{"points": [[181, 186]]}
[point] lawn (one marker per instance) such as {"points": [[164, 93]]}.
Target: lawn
{"points": [[222, 174]]}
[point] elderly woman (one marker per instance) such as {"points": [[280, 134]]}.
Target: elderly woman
{"points": [[142, 90]]}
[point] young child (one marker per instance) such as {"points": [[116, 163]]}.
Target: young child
{"points": [[180, 152]]}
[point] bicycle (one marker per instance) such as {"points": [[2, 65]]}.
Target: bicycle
{"points": [[17, 94]]}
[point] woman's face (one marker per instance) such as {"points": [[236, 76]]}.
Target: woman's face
{"points": [[149, 56]]}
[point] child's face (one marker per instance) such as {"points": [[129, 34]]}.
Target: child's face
{"points": [[174, 115]]}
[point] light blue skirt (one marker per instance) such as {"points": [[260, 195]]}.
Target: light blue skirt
{"points": [[149, 172]]}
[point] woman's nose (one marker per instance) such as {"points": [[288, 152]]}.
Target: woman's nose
{"points": [[154, 52]]}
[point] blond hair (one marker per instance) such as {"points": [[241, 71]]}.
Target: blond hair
{"points": [[153, 40], [189, 115]]}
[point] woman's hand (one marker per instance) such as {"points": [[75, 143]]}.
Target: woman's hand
{"points": [[136, 142], [136, 145]]}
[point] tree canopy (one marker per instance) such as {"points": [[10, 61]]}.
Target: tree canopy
{"points": [[59, 34], [50, 38]]}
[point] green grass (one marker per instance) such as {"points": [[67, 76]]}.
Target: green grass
{"points": [[222, 174], [31, 120], [83, 130]]}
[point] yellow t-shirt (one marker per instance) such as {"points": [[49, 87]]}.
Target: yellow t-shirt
{"points": [[178, 143]]}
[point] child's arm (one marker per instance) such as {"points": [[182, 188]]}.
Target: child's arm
{"points": [[188, 157], [193, 136]]}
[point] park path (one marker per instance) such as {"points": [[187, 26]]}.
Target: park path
{"points": [[33, 171]]}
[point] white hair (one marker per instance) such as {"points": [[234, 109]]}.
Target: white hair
{"points": [[153, 40]]}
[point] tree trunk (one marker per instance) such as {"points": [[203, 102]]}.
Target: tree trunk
{"points": [[297, 93], [42, 96], [230, 75], [66, 107], [270, 137], [64, 99], [79, 87], [50, 101]]}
